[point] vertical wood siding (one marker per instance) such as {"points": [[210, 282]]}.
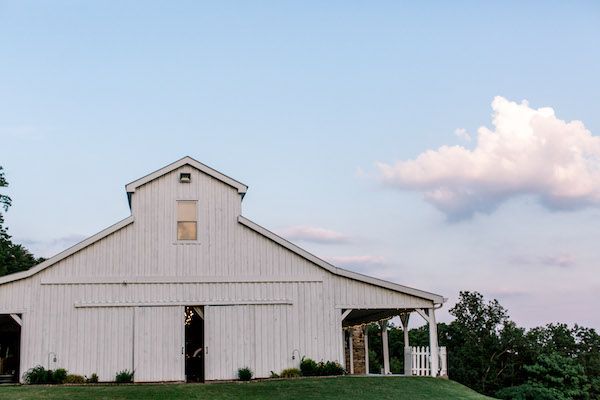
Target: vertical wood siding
{"points": [[159, 342]]}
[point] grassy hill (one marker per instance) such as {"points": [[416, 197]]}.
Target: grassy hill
{"points": [[346, 388]]}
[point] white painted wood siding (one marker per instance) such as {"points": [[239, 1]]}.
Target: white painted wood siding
{"points": [[159, 343]]}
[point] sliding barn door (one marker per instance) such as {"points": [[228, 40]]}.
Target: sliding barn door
{"points": [[159, 343], [252, 336]]}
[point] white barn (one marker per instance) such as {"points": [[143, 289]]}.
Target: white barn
{"points": [[188, 288]]}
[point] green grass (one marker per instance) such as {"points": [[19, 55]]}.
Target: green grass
{"points": [[346, 388]]}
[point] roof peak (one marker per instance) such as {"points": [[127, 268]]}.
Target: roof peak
{"points": [[187, 160]]}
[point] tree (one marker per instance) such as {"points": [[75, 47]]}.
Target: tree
{"points": [[480, 342], [552, 377], [5, 202], [13, 257]]}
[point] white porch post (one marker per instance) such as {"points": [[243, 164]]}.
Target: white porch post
{"points": [[386, 349], [433, 343], [343, 315], [366, 328], [407, 353]]}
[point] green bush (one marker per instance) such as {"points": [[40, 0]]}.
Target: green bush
{"points": [[308, 367], [124, 376], [330, 368], [374, 365], [41, 376], [396, 365], [37, 375], [59, 376], [74, 379], [290, 373], [244, 374], [92, 379]]}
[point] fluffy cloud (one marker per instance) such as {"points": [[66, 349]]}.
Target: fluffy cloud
{"points": [[529, 152], [312, 234], [49, 248]]}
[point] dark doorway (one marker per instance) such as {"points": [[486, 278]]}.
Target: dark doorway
{"points": [[194, 344], [10, 348]]}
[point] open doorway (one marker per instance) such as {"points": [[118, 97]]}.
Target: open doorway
{"points": [[194, 344], [10, 347]]}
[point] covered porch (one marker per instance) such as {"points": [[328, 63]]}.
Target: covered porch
{"points": [[429, 361]]}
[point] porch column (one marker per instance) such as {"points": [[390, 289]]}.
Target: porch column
{"points": [[386, 349], [366, 336], [407, 353], [433, 343], [343, 315]]}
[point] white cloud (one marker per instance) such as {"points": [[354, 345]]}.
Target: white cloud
{"points": [[312, 234], [462, 134], [529, 152]]}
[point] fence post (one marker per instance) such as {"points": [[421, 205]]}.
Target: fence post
{"points": [[443, 361]]}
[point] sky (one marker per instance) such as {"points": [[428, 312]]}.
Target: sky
{"points": [[446, 146]]}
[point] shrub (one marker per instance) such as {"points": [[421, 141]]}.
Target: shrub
{"points": [[290, 373], [308, 367], [396, 365], [245, 374], [92, 379], [59, 376], [41, 376], [37, 375], [124, 376], [76, 379], [330, 368], [374, 365]]}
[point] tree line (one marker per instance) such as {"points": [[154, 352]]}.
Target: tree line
{"points": [[492, 355]]}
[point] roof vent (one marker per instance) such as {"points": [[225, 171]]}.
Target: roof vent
{"points": [[185, 177]]}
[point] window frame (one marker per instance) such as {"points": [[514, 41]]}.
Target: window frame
{"points": [[177, 220]]}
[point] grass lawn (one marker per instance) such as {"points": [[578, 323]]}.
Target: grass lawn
{"points": [[363, 388]]}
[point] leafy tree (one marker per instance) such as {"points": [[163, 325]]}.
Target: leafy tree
{"points": [[5, 202], [479, 342], [553, 376], [13, 257]]}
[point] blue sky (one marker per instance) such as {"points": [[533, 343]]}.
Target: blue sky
{"points": [[301, 100]]}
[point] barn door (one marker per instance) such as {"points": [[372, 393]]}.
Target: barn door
{"points": [[159, 344], [229, 340]]}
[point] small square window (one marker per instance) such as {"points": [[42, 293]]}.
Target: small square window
{"points": [[186, 231], [185, 177]]}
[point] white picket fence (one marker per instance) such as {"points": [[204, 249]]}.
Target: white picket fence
{"points": [[421, 361]]}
